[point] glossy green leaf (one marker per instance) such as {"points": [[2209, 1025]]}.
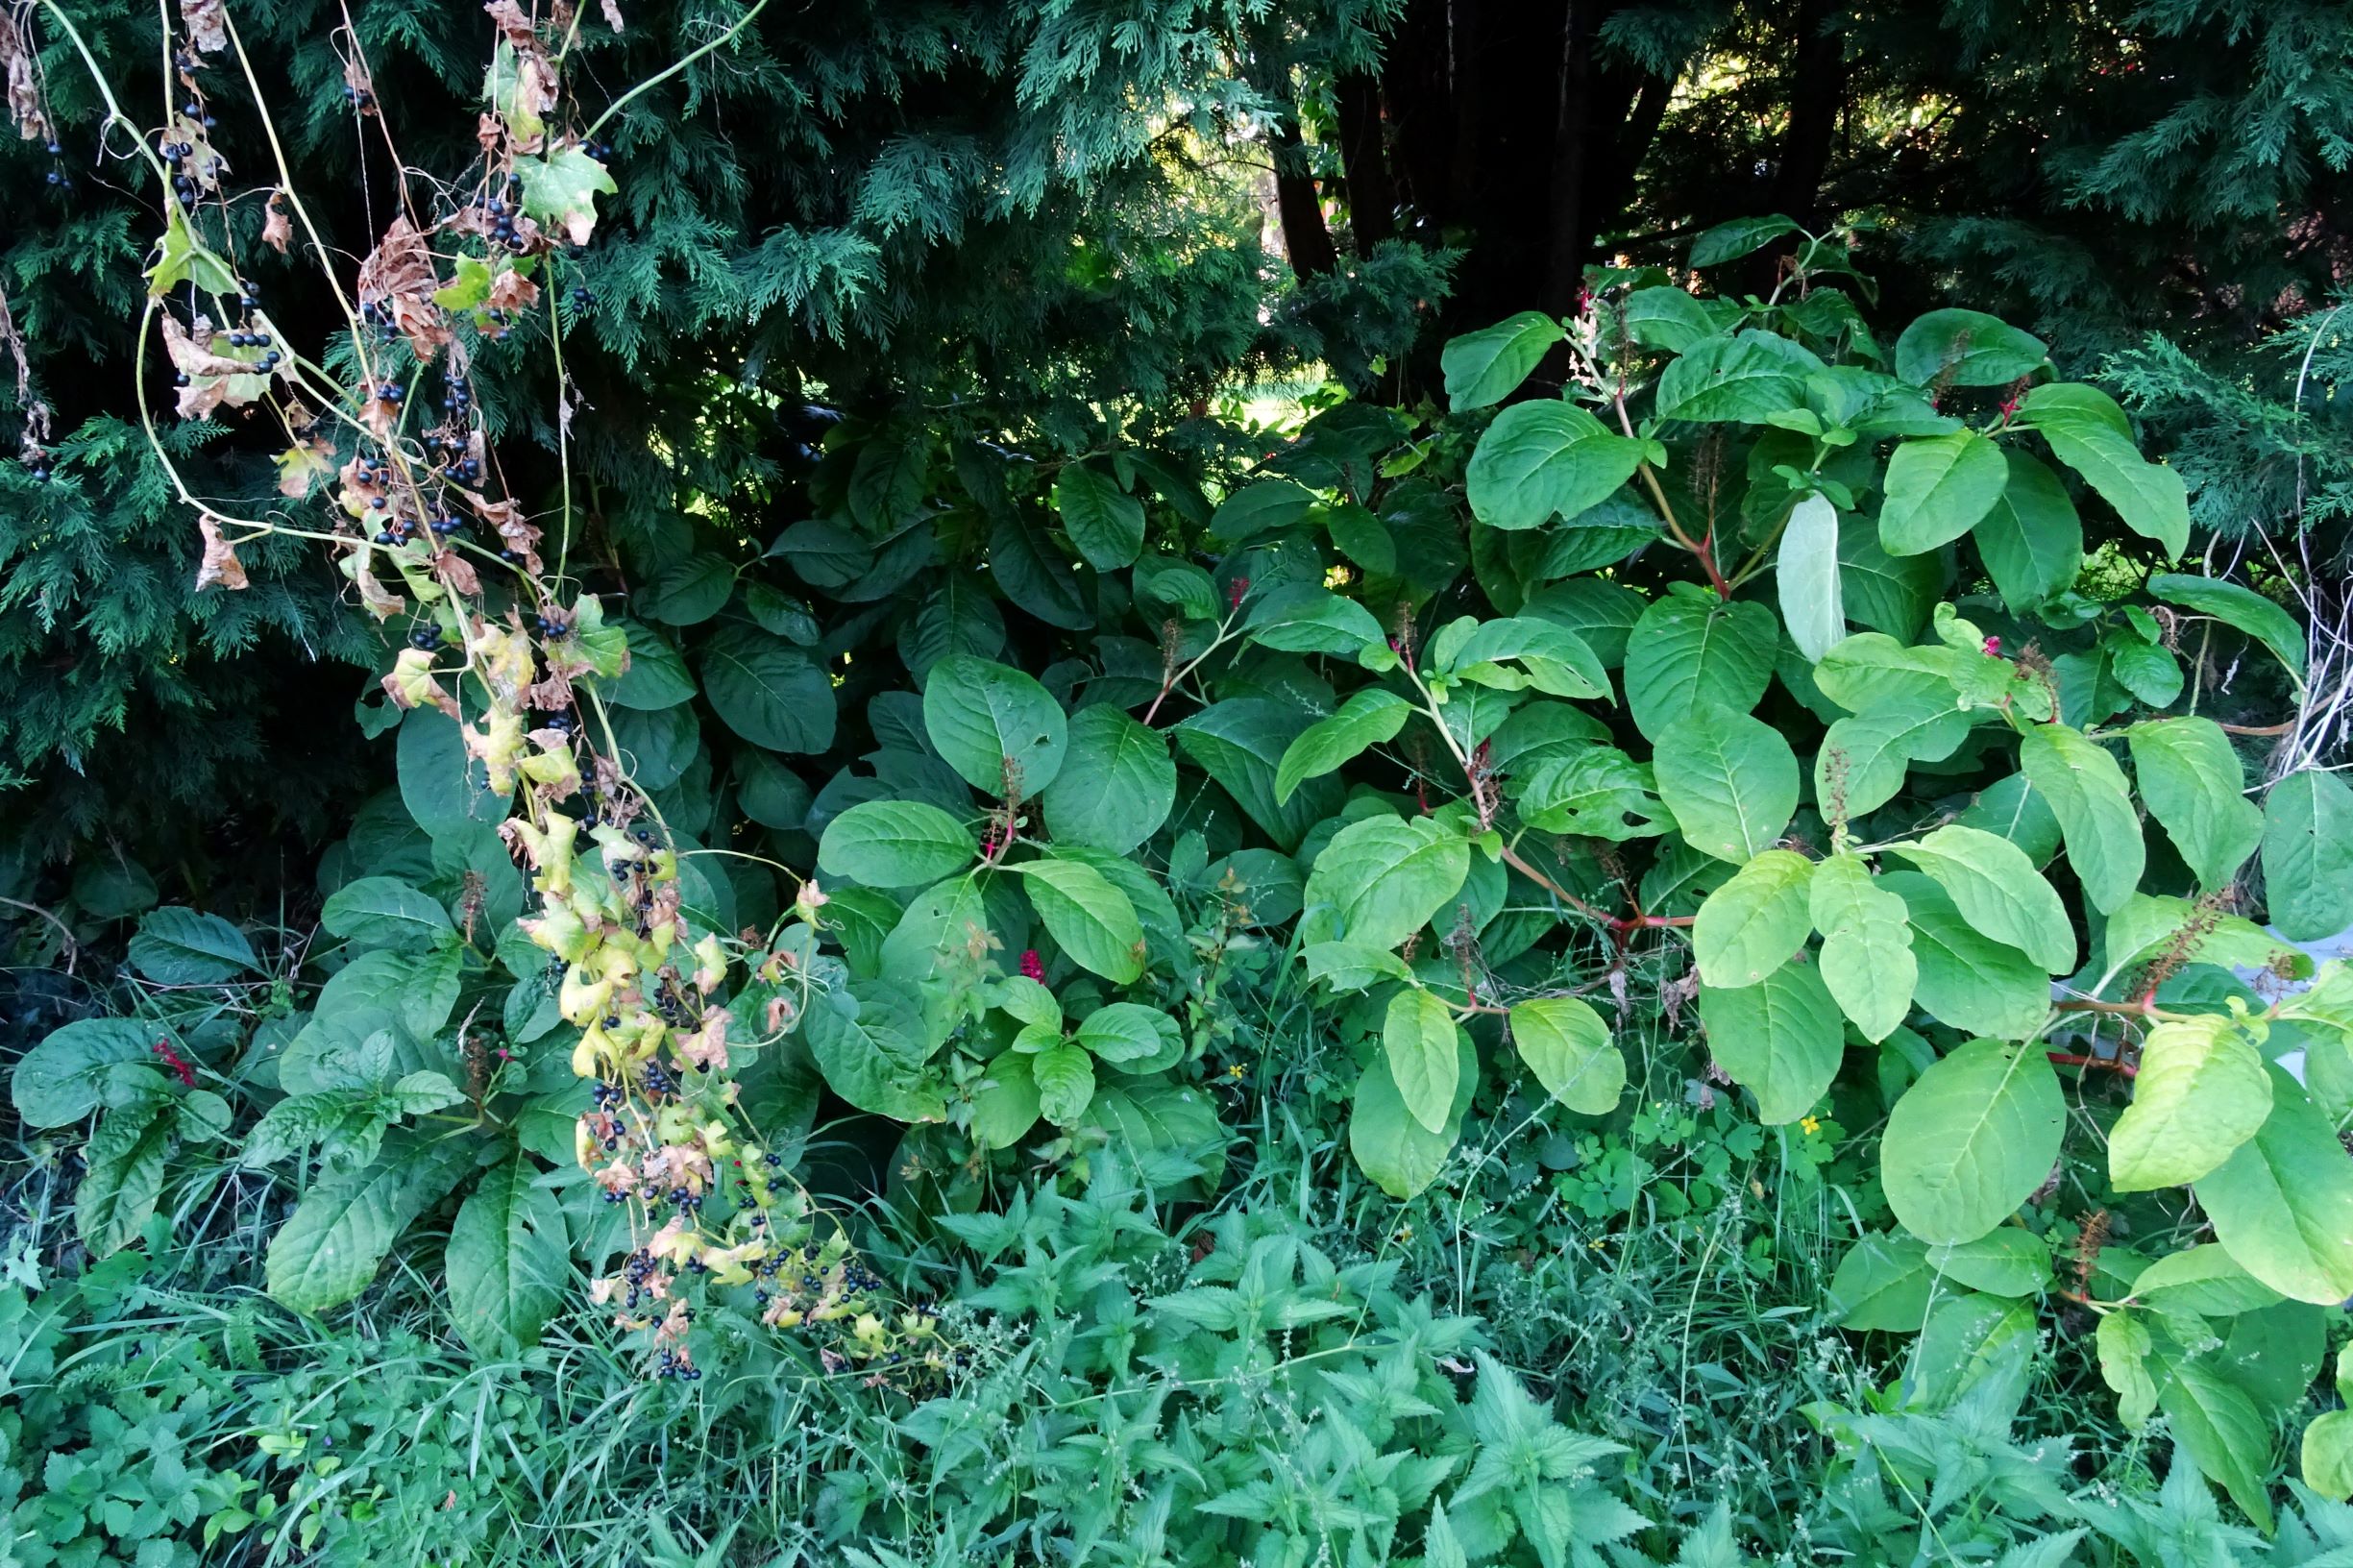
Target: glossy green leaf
{"points": [[1065, 1076], [1383, 878], [2201, 1091], [1567, 1046], [2194, 784], [1780, 1038], [2087, 432], [1731, 782], [1116, 784], [1748, 927], [2283, 1202], [1541, 460], [1688, 651], [767, 691], [1865, 959], [2032, 540], [1104, 522], [79, 1066], [1400, 1154], [995, 726], [1417, 1034], [330, 1248], [1971, 1140], [508, 1259], [1369, 717], [1488, 365], [895, 843], [1089, 919], [1966, 348], [2086, 790], [2308, 855], [1997, 891], [1938, 488], [2236, 605]]}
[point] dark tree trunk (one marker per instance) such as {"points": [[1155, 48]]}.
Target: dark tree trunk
{"points": [[1305, 240], [1417, 94], [1372, 196], [1568, 209], [1818, 93], [1612, 187]]}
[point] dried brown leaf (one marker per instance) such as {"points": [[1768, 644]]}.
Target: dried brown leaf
{"points": [[220, 563], [207, 23], [277, 227]]}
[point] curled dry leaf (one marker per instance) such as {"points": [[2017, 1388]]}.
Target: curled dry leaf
{"points": [[510, 291], [207, 25], [23, 75], [457, 573], [398, 277], [363, 88], [214, 379], [612, 16], [13, 341], [220, 563], [515, 531], [277, 229], [411, 684]]}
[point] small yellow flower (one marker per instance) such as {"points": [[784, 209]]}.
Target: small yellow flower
{"points": [[1235, 1070], [1810, 1125]]}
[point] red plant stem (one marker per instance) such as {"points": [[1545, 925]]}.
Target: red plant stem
{"points": [[2142, 1007], [1619, 923], [2065, 1059]]}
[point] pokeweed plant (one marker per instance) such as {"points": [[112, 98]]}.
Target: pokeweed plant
{"points": [[1440, 720], [400, 1099]]}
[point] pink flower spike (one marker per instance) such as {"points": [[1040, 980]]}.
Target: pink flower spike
{"points": [[1993, 647], [1235, 591], [1032, 964]]}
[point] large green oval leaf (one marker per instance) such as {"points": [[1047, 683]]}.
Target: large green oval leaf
{"points": [[2283, 1202], [1807, 578], [329, 1249], [1418, 1036], [895, 843], [1938, 488], [2088, 434], [1400, 1154], [1116, 784], [2308, 855], [1367, 719], [2087, 792], [871, 1042], [2201, 1091], [1383, 878], [1731, 782], [1781, 1038], [1751, 926], [2194, 784], [1866, 958], [767, 691], [69, 1073], [1967, 979], [1089, 919], [1542, 460], [508, 1261], [1105, 523], [1689, 651], [2032, 540], [1488, 365], [1971, 1140], [1567, 1046], [995, 726], [1966, 348], [1997, 891]]}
